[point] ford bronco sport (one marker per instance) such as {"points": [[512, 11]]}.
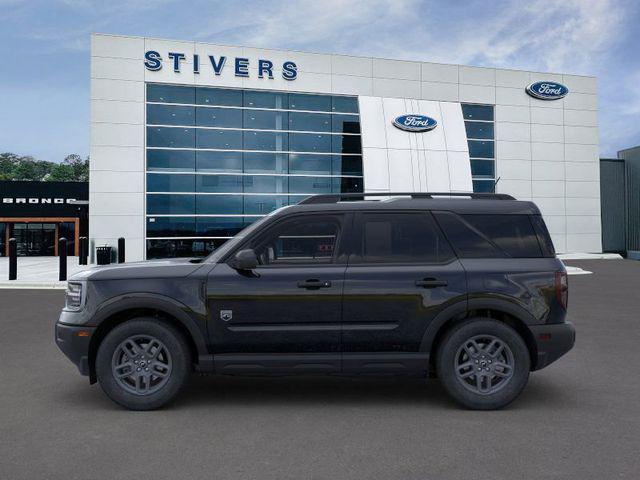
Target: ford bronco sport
{"points": [[463, 286]]}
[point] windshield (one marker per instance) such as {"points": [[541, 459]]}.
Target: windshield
{"points": [[230, 244]]}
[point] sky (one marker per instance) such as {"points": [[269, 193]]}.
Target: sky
{"points": [[44, 78]]}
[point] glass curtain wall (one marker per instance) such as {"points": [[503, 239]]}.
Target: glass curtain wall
{"points": [[218, 159], [480, 127]]}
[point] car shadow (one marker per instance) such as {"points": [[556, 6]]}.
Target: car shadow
{"points": [[309, 391]]}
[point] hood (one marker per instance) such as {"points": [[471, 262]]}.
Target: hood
{"points": [[165, 268]]}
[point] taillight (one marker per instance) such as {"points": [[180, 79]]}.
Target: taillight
{"points": [[562, 289]]}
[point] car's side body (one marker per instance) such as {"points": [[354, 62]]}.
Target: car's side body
{"points": [[350, 317]]}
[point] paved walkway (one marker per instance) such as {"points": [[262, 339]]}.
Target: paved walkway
{"points": [[38, 272], [42, 272]]}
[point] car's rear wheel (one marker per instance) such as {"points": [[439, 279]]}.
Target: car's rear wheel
{"points": [[483, 364], [142, 364]]}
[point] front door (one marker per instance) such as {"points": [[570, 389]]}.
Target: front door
{"points": [[285, 315], [402, 273]]}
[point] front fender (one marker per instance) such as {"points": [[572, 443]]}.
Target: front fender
{"points": [[195, 323]]}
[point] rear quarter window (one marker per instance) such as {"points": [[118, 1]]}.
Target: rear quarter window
{"points": [[491, 235], [513, 234]]}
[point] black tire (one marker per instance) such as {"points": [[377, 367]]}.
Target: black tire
{"points": [[173, 351], [456, 351]]}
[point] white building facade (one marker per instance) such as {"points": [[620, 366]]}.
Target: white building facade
{"points": [[190, 141]]}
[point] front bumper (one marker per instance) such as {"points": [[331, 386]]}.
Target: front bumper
{"points": [[74, 342], [552, 342]]}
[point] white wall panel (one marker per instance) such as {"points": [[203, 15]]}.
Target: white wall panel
{"points": [[581, 101], [581, 153], [122, 90], [116, 158], [581, 135], [439, 91], [112, 111], [547, 133], [435, 139], [579, 84], [396, 69], [583, 206], [512, 113], [117, 68], [553, 152], [346, 65], [459, 171], [372, 121], [520, 189], [543, 170], [584, 118], [547, 188], [515, 132], [117, 47], [550, 116], [584, 242], [552, 206], [351, 85], [477, 94], [513, 169], [477, 75], [384, 87], [512, 96], [375, 167], [117, 182], [439, 72], [437, 172], [453, 123], [401, 174], [112, 134], [512, 78], [513, 150]]}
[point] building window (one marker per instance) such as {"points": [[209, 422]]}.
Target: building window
{"points": [[220, 158], [480, 126]]}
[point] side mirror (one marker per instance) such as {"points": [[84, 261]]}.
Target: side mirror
{"points": [[245, 260]]}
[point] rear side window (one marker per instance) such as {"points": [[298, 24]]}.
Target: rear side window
{"points": [[491, 236], [513, 234], [546, 244], [402, 238], [466, 240]]}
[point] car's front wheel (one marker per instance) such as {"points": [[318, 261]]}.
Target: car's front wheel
{"points": [[142, 363], [483, 364]]}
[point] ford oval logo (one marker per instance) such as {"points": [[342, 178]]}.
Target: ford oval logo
{"points": [[415, 123], [547, 90]]}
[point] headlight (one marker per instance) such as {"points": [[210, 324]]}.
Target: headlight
{"points": [[73, 297]]}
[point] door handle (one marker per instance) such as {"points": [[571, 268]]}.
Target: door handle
{"points": [[431, 283], [314, 284]]}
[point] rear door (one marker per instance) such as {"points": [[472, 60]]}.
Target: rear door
{"points": [[401, 274]]}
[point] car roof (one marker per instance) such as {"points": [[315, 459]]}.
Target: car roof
{"points": [[457, 203]]}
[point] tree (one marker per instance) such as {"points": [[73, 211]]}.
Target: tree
{"points": [[16, 167]]}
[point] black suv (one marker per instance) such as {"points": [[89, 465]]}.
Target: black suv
{"points": [[465, 287]]}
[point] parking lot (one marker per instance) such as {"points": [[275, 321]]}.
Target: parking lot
{"points": [[579, 418]]}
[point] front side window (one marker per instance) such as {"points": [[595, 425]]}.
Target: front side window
{"points": [[402, 238], [302, 240]]}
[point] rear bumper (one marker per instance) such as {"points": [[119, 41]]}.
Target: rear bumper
{"points": [[552, 342], [74, 342]]}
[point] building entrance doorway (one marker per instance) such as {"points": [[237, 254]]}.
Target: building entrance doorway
{"points": [[35, 239], [38, 237]]}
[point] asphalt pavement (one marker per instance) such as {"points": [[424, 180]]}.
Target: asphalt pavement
{"points": [[578, 418]]}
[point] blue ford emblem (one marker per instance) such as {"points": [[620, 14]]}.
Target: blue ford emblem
{"points": [[547, 90], [415, 123]]}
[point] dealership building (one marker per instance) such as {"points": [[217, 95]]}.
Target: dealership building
{"points": [[190, 142]]}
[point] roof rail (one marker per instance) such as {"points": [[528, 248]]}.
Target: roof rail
{"points": [[336, 197]]}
